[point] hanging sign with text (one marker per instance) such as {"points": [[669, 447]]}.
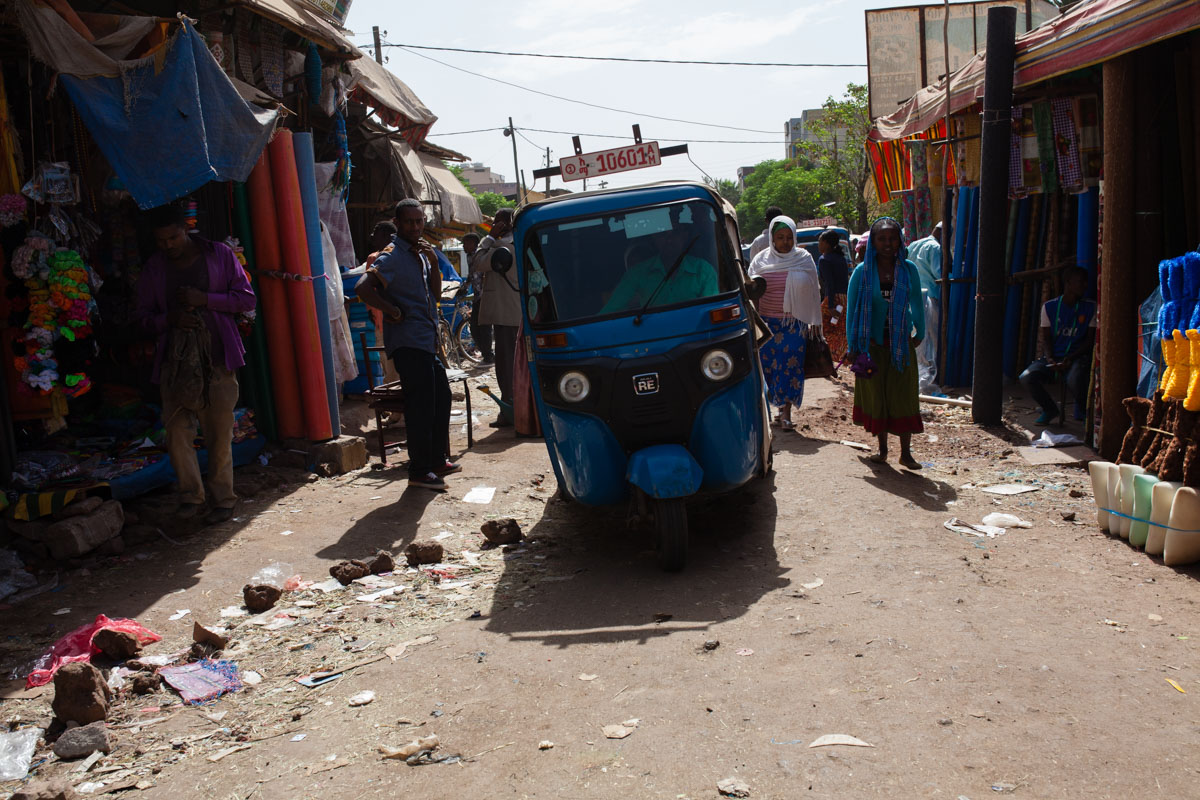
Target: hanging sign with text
{"points": [[606, 162]]}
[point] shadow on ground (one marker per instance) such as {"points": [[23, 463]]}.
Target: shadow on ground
{"points": [[584, 578]]}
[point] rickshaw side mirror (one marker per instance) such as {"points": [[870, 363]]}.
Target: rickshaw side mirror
{"points": [[502, 261], [756, 288]]}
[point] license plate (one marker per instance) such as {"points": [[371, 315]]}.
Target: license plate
{"points": [[645, 384], [606, 162]]}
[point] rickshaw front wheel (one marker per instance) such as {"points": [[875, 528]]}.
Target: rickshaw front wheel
{"points": [[671, 530]]}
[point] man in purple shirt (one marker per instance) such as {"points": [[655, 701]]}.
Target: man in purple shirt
{"points": [[189, 288]]}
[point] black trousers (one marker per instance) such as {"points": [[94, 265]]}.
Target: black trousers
{"points": [[426, 408], [481, 333], [506, 350]]}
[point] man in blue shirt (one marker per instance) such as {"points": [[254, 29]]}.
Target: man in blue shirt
{"points": [[1067, 333], [404, 284]]}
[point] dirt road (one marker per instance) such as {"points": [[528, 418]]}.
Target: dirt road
{"points": [[1033, 664]]}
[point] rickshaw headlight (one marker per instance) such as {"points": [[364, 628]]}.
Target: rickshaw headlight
{"points": [[574, 387], [717, 365]]}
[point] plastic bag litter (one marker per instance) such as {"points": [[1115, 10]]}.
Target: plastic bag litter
{"points": [[277, 574], [77, 646], [16, 751], [13, 577], [1048, 439], [202, 681], [999, 520]]}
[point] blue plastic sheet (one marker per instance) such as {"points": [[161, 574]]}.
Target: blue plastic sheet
{"points": [[168, 130], [1151, 350]]}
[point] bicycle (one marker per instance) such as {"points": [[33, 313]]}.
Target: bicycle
{"points": [[454, 327]]}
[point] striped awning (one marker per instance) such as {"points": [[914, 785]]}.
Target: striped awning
{"points": [[1089, 34]]}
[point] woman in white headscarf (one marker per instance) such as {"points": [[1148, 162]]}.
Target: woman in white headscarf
{"points": [[791, 307]]}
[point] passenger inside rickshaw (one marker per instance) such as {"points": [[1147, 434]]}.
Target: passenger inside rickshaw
{"points": [[621, 262]]}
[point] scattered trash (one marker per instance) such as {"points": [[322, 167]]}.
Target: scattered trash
{"points": [[13, 577], [261, 597], [180, 614], [286, 533], [830, 739], [397, 650], [734, 787], [745, 651], [315, 679], [545, 744], [375, 597], [585, 676], [661, 618], [275, 574], [362, 698], [202, 681], [817, 583], [78, 646], [216, 638], [1112, 623], [232, 612], [1154, 617], [251, 678], [999, 520], [16, 752], [502, 531], [1048, 439], [414, 749], [1178, 688], [482, 495], [1008, 489], [228, 751], [331, 585], [299, 737], [971, 529], [856, 445], [62, 612], [620, 731]]}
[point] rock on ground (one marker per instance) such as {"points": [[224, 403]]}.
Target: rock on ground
{"points": [[74, 536], [381, 563], [117, 645], [46, 790], [262, 597], [347, 572], [502, 531], [83, 741], [145, 682], [419, 553], [80, 694]]}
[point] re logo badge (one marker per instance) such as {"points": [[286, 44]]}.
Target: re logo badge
{"points": [[646, 383]]}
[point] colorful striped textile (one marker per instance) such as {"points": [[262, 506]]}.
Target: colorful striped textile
{"points": [[889, 167], [1066, 144]]}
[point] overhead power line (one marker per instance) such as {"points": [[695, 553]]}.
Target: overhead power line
{"points": [[618, 58], [434, 134], [580, 102]]}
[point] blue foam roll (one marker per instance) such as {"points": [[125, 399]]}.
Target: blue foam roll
{"points": [[306, 170]]}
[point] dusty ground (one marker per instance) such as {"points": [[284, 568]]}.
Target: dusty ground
{"points": [[840, 603]]}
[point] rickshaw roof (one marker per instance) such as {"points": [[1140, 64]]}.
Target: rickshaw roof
{"points": [[601, 201]]}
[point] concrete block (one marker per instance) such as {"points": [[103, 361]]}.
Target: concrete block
{"points": [[344, 454]]}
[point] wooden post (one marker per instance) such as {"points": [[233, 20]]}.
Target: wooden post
{"points": [[988, 378], [1118, 303]]}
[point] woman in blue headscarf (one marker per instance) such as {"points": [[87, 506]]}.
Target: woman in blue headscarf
{"points": [[886, 322]]}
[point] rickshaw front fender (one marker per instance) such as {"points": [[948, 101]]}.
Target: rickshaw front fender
{"points": [[665, 471]]}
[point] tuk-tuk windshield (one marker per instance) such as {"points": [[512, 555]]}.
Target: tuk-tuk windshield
{"points": [[622, 262]]}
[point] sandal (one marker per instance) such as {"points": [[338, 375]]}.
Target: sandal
{"points": [[909, 462], [787, 425]]}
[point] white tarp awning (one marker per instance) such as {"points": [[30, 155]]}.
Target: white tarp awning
{"points": [[458, 205]]}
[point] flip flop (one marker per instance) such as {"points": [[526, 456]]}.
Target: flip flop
{"points": [[910, 462], [787, 425], [876, 458]]}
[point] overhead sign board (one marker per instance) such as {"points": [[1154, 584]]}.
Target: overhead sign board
{"points": [[905, 50], [606, 162]]}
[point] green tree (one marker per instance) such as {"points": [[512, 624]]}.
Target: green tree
{"points": [[837, 149], [726, 188], [490, 203], [794, 186]]}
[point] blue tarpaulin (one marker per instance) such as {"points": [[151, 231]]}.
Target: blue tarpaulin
{"points": [[1150, 349], [168, 129]]}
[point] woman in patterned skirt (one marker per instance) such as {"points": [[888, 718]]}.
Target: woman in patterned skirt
{"points": [[791, 307]]}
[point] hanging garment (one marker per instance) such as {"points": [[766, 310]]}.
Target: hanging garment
{"points": [[1066, 144], [1043, 126]]}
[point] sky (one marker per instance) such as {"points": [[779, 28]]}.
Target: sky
{"points": [[752, 103]]}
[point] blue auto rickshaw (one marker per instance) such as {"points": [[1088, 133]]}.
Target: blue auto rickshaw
{"points": [[643, 349]]}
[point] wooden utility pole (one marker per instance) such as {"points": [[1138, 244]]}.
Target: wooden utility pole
{"points": [[378, 45], [511, 133], [987, 405], [547, 167]]}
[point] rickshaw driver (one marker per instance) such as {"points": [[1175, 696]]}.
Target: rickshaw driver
{"points": [[694, 278]]}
